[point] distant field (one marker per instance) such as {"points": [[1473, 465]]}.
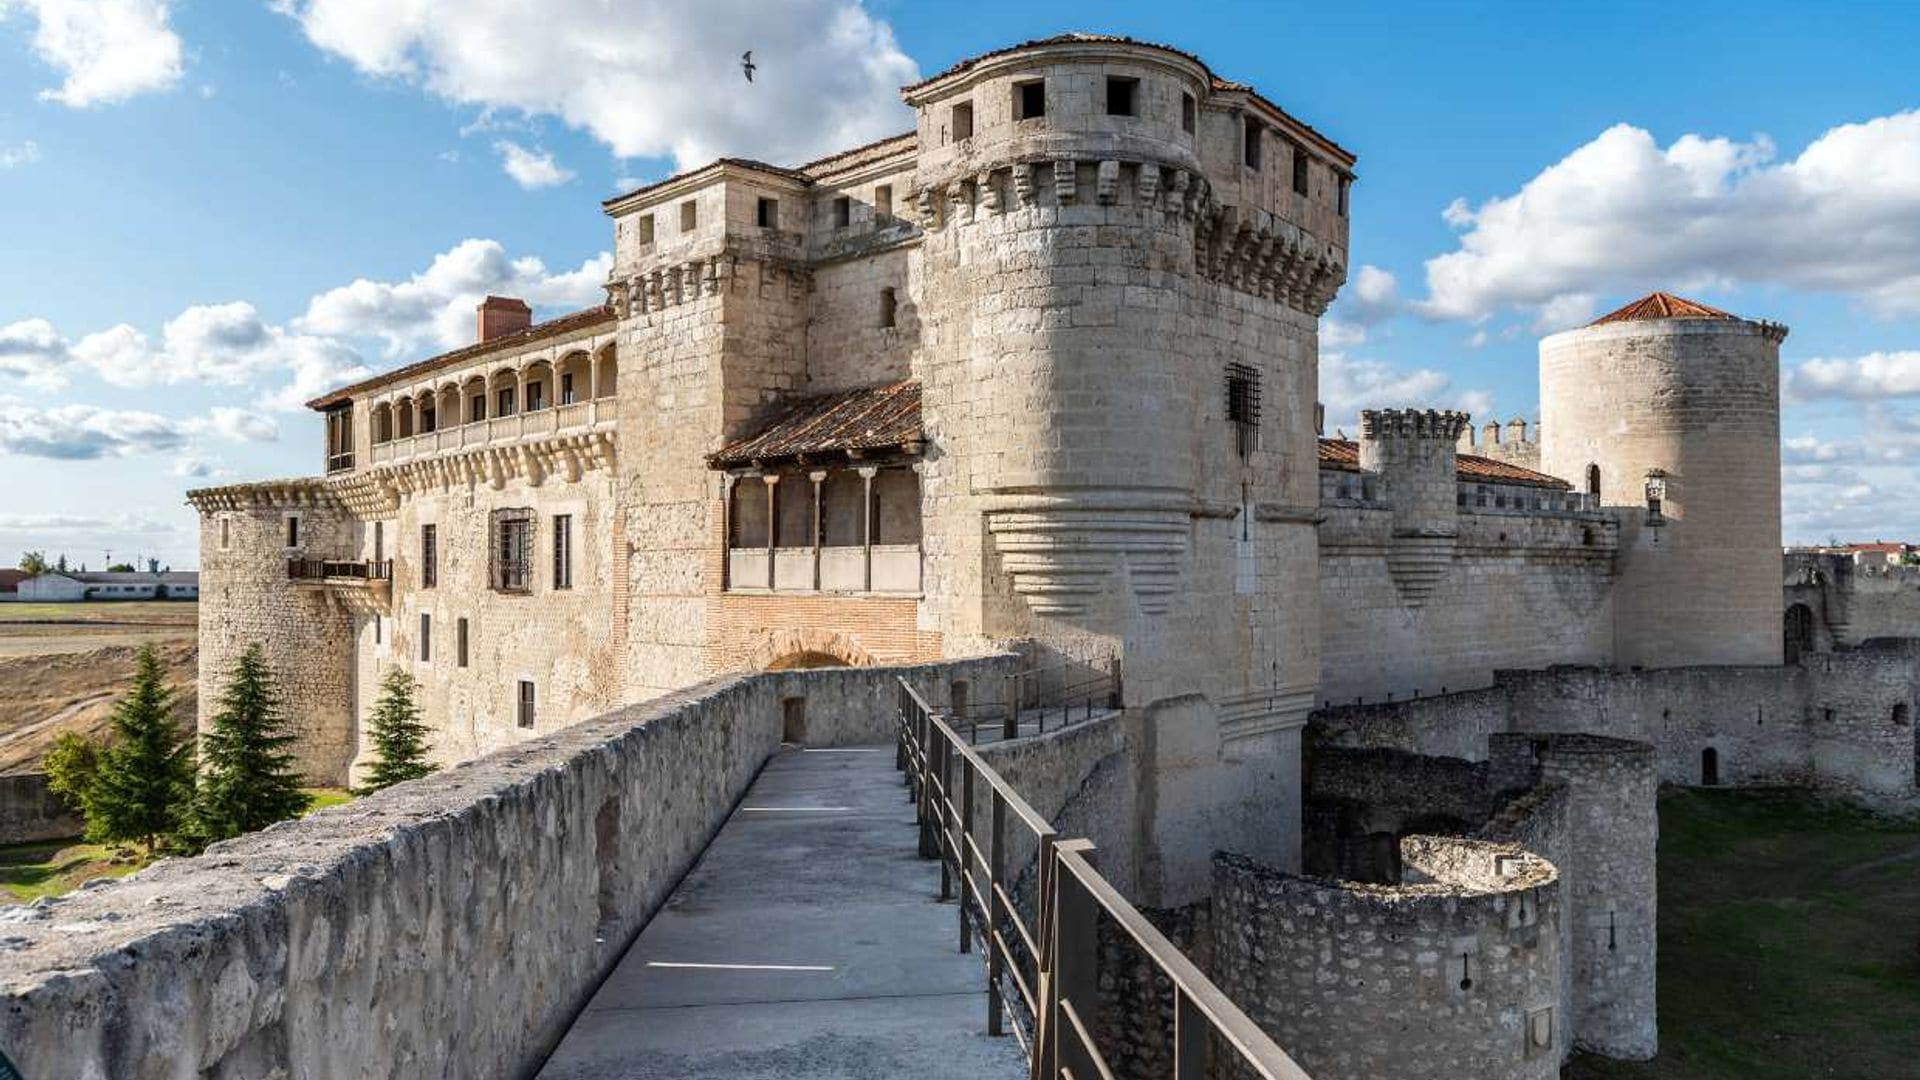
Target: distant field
{"points": [[51, 629], [1789, 942], [144, 612]]}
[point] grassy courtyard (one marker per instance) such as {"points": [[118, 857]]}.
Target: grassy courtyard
{"points": [[49, 868], [1789, 942]]}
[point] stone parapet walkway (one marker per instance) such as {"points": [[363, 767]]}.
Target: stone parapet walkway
{"points": [[806, 943]]}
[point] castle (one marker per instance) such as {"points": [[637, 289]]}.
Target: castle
{"points": [[1041, 375]]}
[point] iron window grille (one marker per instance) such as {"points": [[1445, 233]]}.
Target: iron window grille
{"points": [[429, 556], [1243, 405], [563, 551], [512, 551]]}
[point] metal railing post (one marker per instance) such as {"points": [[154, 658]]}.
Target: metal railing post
{"points": [[943, 807], [1189, 1039], [965, 855], [996, 872]]}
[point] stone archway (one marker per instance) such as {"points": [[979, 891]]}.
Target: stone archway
{"points": [[788, 649]]}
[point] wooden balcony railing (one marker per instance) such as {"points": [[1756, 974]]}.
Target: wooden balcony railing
{"points": [[323, 570]]}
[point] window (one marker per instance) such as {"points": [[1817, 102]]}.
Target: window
{"points": [[1299, 170], [563, 551], [644, 230], [767, 213], [503, 402], [883, 201], [426, 637], [689, 216], [1593, 481], [340, 438], [536, 396], [1250, 150], [429, 556], [1120, 95], [460, 642], [376, 629], [477, 408], [293, 530], [526, 703], [426, 418], [566, 388], [1029, 99], [379, 541], [888, 307], [842, 212], [1656, 496], [961, 126], [512, 550], [1243, 404], [226, 533], [1188, 107]]}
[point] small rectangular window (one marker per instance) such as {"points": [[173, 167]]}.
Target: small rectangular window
{"points": [[477, 408], [563, 551], [426, 637], [379, 541], [566, 388], [888, 307], [512, 545], [293, 531], [1346, 185], [644, 230], [460, 642], [1299, 170], [1243, 405], [767, 213], [961, 125], [503, 401], [883, 201], [1120, 95], [226, 533], [1250, 153], [1187, 109], [376, 629], [1029, 99], [689, 216], [842, 212], [536, 396], [429, 556], [526, 703]]}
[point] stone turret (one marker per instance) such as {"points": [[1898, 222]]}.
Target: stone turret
{"points": [[1413, 456]]}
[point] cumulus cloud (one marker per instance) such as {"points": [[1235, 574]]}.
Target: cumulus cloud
{"points": [[1349, 384], [434, 308], [646, 77], [530, 168], [33, 351], [88, 432], [1370, 297], [14, 155], [1624, 214], [107, 50], [1871, 377]]}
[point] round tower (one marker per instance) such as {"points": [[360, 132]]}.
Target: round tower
{"points": [[1668, 412]]}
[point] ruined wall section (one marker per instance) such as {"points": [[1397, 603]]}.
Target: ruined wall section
{"points": [[305, 631], [1456, 973]]}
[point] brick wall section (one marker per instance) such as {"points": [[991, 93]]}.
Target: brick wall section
{"points": [[884, 629]]}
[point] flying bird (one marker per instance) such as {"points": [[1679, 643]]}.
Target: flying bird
{"points": [[747, 64]]}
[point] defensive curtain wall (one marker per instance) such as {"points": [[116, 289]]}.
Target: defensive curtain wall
{"points": [[450, 927]]}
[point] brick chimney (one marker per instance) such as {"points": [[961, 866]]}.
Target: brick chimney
{"points": [[498, 315]]}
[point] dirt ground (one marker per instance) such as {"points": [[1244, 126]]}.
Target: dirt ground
{"points": [[62, 666]]}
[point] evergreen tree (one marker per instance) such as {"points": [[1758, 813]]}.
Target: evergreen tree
{"points": [[144, 788], [399, 738], [247, 780]]}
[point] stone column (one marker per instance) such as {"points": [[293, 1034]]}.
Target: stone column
{"points": [[867, 473], [773, 523], [817, 476], [726, 530]]}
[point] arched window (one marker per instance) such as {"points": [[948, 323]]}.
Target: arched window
{"points": [[1709, 767], [1593, 480]]}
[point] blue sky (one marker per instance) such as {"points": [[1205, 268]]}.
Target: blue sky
{"points": [[212, 210]]}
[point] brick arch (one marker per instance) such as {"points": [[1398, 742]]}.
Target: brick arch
{"points": [[778, 647]]}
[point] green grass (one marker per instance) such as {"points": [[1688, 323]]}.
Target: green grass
{"points": [[169, 612], [49, 868], [1789, 942]]}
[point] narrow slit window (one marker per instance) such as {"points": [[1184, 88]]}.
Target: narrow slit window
{"points": [[426, 637], [525, 712], [563, 551], [1188, 107], [883, 201], [960, 123], [1299, 170], [460, 642], [1250, 151], [1120, 96], [888, 307], [429, 556], [293, 531], [1030, 99]]}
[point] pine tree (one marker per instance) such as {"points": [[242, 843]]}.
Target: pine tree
{"points": [[144, 789], [247, 779], [399, 738]]}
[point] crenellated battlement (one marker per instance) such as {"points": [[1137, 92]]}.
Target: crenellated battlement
{"points": [[1413, 424]]}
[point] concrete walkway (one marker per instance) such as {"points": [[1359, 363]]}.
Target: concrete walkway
{"points": [[806, 943]]}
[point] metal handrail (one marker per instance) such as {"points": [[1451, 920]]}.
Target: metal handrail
{"points": [[1052, 960]]}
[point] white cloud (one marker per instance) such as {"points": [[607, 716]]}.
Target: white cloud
{"points": [[1372, 296], [1864, 378], [1622, 214], [33, 351], [87, 432], [434, 308], [18, 154], [531, 168], [192, 467], [645, 77], [108, 50], [1349, 384]]}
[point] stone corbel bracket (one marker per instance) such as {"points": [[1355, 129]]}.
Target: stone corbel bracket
{"points": [[1259, 712], [1062, 554]]}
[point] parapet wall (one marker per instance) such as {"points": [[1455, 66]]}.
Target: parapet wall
{"points": [[1458, 974], [28, 811], [464, 918]]}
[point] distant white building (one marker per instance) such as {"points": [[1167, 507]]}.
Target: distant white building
{"points": [[56, 586]]}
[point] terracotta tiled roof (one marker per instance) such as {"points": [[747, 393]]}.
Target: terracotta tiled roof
{"points": [[565, 324], [871, 420], [1661, 305], [1343, 455]]}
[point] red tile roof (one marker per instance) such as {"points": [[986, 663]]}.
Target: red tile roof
{"points": [[10, 579], [873, 420], [552, 328], [1661, 305], [1343, 455]]}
